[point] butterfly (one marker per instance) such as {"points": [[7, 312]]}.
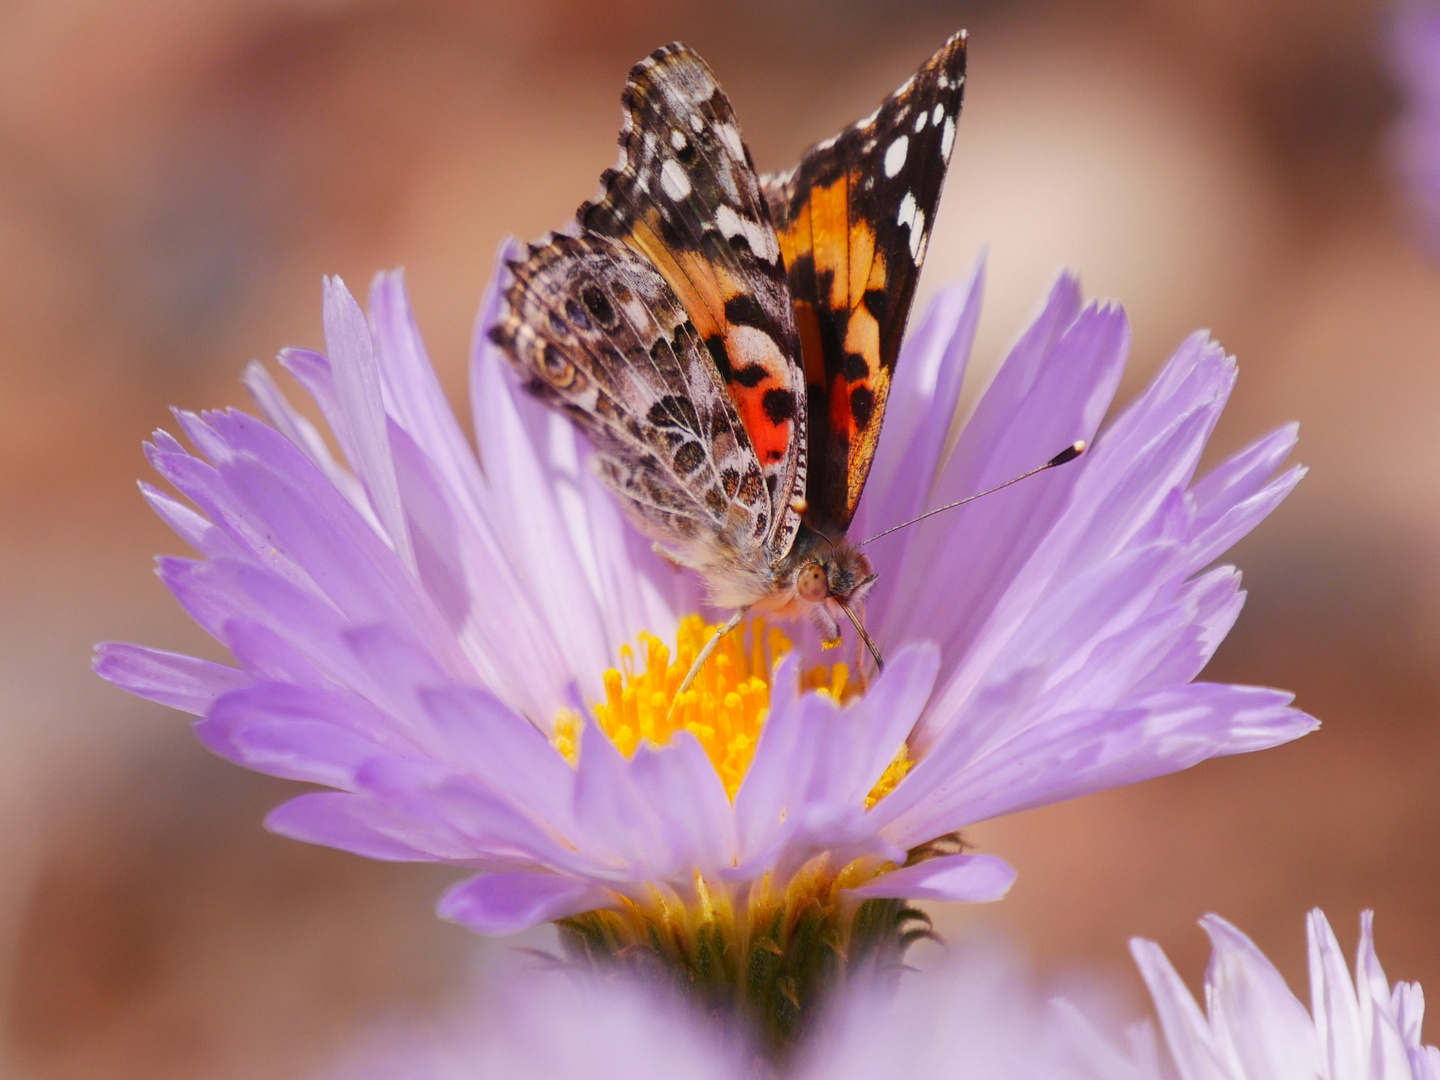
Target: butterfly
{"points": [[726, 340]]}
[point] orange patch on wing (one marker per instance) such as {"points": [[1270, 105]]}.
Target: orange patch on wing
{"points": [[840, 418], [791, 247], [771, 440], [862, 261], [812, 350], [862, 337], [879, 274], [703, 288], [748, 348], [842, 247], [694, 280], [830, 239]]}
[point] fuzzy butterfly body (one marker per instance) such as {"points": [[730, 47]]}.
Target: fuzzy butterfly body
{"points": [[725, 340]]}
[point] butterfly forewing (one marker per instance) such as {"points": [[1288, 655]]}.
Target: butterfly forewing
{"points": [[853, 220], [685, 195], [597, 332]]}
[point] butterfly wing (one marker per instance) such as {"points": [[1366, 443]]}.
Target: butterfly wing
{"points": [[595, 331], [853, 220], [685, 195]]}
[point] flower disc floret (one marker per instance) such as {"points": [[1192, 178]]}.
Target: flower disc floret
{"points": [[724, 708]]}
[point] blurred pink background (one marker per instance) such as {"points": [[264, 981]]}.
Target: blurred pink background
{"points": [[175, 177]]}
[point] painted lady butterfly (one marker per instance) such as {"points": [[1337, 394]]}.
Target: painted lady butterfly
{"points": [[726, 340]]}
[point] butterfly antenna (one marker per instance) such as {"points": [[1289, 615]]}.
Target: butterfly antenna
{"points": [[1069, 454], [864, 634], [704, 655]]}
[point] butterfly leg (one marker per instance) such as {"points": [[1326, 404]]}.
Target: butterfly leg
{"points": [[664, 554], [826, 626], [704, 654]]}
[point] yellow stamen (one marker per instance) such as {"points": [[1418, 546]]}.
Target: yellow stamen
{"points": [[724, 708], [566, 737], [893, 774]]}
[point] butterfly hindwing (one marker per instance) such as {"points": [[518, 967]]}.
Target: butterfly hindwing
{"points": [[685, 196], [853, 220], [596, 332]]}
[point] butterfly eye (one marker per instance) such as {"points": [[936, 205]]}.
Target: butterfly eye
{"points": [[811, 583]]}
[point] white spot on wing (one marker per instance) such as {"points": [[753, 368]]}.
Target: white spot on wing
{"points": [[761, 240], [920, 122], [696, 124], [678, 140], [731, 140], [636, 312], [703, 88], [939, 114], [749, 345], [908, 209], [869, 119], [913, 218], [895, 155], [947, 138], [917, 236], [728, 183], [674, 180]]}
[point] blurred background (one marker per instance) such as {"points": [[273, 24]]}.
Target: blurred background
{"points": [[175, 177]]}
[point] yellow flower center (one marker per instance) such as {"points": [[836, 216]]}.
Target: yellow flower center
{"points": [[725, 707]]}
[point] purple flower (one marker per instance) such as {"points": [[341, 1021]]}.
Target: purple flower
{"points": [[1254, 1028], [431, 636], [1415, 51]]}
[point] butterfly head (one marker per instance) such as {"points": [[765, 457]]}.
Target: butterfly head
{"points": [[825, 579], [835, 571]]}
